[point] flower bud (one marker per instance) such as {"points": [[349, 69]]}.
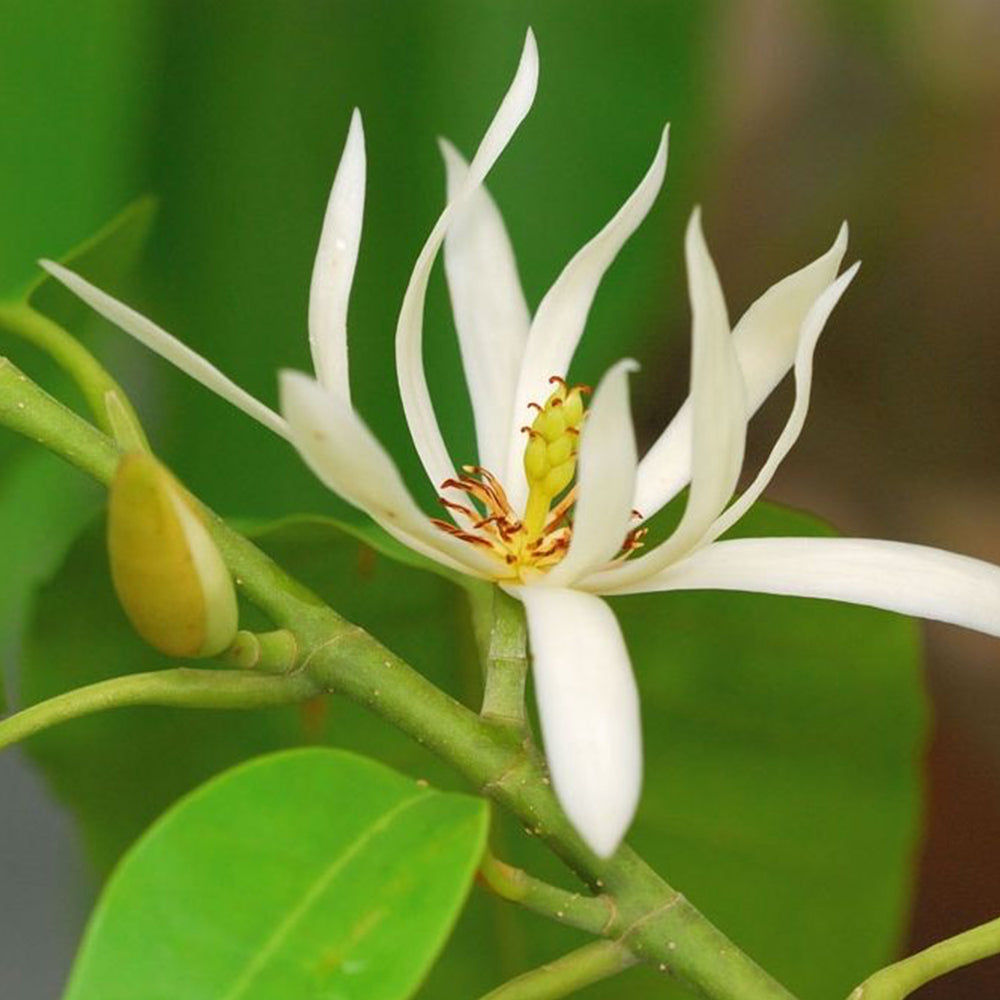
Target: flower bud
{"points": [[168, 573]]}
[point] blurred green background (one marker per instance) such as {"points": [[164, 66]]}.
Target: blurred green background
{"points": [[787, 116]]}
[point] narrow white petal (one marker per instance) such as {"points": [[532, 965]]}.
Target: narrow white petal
{"points": [[413, 390], [167, 346], [589, 710], [346, 457], [718, 415], [606, 481], [765, 342], [491, 316], [812, 327], [562, 315], [911, 579], [333, 270]]}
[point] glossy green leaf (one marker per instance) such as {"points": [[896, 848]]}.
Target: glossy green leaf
{"points": [[104, 258], [80, 635], [310, 874], [782, 742]]}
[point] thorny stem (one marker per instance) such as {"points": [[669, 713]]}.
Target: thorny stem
{"points": [[580, 968], [506, 664], [594, 914], [654, 922], [899, 980]]}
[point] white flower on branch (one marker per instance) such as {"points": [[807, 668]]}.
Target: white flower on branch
{"points": [[516, 517]]}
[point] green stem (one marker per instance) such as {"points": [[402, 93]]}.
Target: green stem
{"points": [[580, 968], [897, 981], [272, 652], [28, 409], [506, 663], [180, 687], [594, 914], [105, 397], [653, 920]]}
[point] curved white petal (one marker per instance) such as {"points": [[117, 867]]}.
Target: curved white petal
{"points": [[562, 315], [416, 399], [718, 416], [765, 341], [911, 579], [491, 316], [346, 457], [811, 330], [589, 710], [606, 480], [167, 346], [333, 270]]}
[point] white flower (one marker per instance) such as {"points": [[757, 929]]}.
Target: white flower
{"points": [[503, 527]]}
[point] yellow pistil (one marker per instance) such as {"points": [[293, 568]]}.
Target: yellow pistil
{"points": [[550, 455], [535, 542]]}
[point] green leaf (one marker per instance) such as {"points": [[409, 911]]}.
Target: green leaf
{"points": [[79, 635], [782, 740], [60, 501], [103, 259], [366, 532], [307, 874], [782, 794]]}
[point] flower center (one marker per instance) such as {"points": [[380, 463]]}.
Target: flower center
{"points": [[534, 542]]}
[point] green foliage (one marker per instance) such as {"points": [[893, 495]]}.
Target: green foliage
{"points": [[138, 761], [781, 745], [61, 502], [74, 96], [103, 258], [308, 874], [43, 503], [248, 137]]}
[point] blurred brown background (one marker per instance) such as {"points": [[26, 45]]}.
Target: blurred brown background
{"points": [[903, 437]]}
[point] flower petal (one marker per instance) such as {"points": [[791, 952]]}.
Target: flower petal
{"points": [[606, 481], [589, 710], [333, 270], [346, 457], [491, 316], [765, 341], [896, 576], [811, 330], [562, 314], [718, 416], [413, 390], [167, 346]]}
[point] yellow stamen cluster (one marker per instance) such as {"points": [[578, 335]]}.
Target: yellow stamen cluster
{"points": [[535, 542]]}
